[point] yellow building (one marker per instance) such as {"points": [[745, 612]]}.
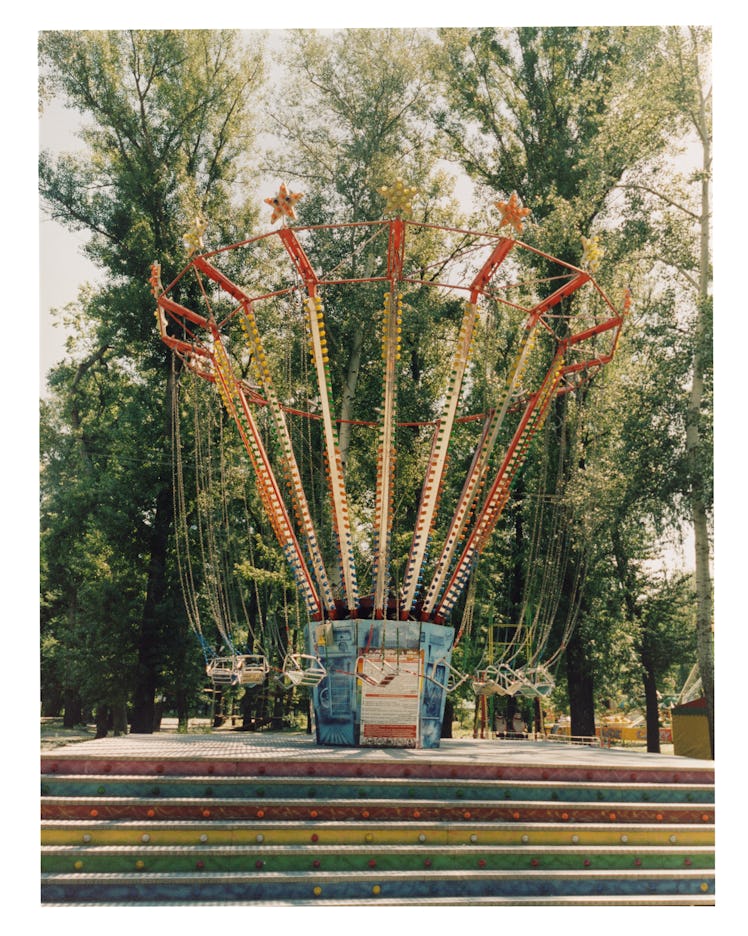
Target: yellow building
{"points": [[691, 730]]}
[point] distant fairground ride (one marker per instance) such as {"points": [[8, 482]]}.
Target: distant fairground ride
{"points": [[378, 659]]}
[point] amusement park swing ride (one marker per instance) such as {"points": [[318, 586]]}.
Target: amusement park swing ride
{"points": [[378, 659]]}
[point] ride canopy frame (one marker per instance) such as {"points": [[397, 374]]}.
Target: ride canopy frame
{"points": [[378, 657]]}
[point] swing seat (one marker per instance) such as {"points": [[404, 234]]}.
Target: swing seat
{"points": [[539, 682], [486, 682], [510, 681], [301, 673], [251, 670], [244, 670], [220, 671], [454, 678], [383, 673]]}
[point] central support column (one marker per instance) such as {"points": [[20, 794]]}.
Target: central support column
{"points": [[386, 682]]}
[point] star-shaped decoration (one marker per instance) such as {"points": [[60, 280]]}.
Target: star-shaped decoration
{"points": [[283, 204], [155, 280], [193, 239], [399, 197], [593, 253], [512, 212]]}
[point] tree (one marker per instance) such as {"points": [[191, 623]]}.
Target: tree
{"points": [[351, 119], [673, 211], [558, 115], [166, 133], [93, 525], [690, 88]]}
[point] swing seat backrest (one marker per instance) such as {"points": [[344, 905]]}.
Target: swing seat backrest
{"points": [[377, 673], [252, 669], [220, 670], [510, 682], [538, 682], [311, 675]]}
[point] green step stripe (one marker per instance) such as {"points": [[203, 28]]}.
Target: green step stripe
{"points": [[156, 859], [326, 788]]}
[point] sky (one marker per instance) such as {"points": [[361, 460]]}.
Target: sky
{"points": [[63, 267]]}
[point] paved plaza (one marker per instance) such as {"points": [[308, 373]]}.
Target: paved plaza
{"points": [[301, 746]]}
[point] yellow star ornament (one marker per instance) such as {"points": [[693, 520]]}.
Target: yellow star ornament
{"points": [[593, 253], [399, 197], [512, 212], [193, 239], [283, 204], [155, 280]]}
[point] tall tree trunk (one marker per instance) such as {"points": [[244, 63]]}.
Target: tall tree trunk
{"points": [[449, 714], [538, 727], [652, 707], [633, 612], [218, 716], [103, 720], [119, 718], [73, 710], [183, 708], [581, 687], [149, 662], [276, 721], [349, 392], [698, 501], [578, 667]]}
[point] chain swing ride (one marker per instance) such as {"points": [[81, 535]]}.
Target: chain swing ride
{"points": [[378, 658]]}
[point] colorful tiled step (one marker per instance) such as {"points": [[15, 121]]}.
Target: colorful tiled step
{"points": [[170, 821], [290, 858], [328, 788], [67, 762], [363, 885], [121, 832], [105, 807]]}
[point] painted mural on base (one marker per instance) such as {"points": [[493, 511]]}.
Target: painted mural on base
{"points": [[386, 682]]}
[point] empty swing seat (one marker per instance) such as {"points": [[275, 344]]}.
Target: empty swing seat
{"points": [[251, 670], [301, 669], [539, 682], [373, 673], [486, 682], [242, 670], [510, 681], [220, 670], [454, 679]]}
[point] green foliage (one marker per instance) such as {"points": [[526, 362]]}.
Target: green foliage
{"points": [[555, 114], [569, 118], [166, 129], [352, 117]]}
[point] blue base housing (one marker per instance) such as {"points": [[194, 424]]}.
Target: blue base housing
{"points": [[343, 645]]}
